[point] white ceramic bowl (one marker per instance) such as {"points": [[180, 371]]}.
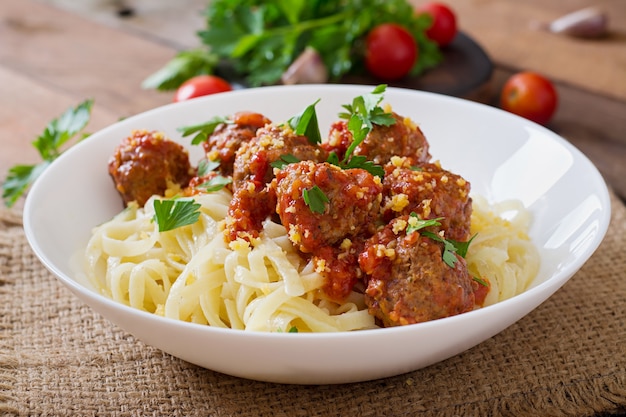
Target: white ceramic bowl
{"points": [[502, 155]]}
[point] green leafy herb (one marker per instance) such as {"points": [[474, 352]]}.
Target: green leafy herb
{"points": [[49, 145], [203, 130], [171, 214], [419, 224], [306, 124], [481, 281], [182, 67], [450, 247], [285, 159], [205, 166], [315, 199], [449, 250], [292, 329], [214, 184], [362, 114], [257, 40]]}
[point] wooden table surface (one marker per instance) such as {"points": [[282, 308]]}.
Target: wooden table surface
{"points": [[56, 53]]}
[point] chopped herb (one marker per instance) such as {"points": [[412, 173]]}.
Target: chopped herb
{"points": [[362, 114], [450, 247], [171, 214], [292, 329], [305, 124], [49, 145], [481, 281], [205, 166], [203, 130], [214, 184], [418, 224], [315, 199], [285, 159]]}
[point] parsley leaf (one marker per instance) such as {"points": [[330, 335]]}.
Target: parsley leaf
{"points": [[185, 65], [480, 281], [415, 223], [450, 247], [362, 114], [205, 166], [315, 199], [306, 124], [285, 159], [49, 145], [174, 213], [203, 130], [214, 184]]}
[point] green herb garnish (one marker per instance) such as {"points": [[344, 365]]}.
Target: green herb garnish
{"points": [[285, 159], [49, 145], [450, 247], [362, 114], [205, 167], [306, 124], [171, 214], [480, 281], [315, 199], [203, 130]]}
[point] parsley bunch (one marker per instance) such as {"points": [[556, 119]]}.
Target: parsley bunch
{"points": [[49, 145], [257, 40]]}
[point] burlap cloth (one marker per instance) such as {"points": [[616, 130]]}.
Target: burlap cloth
{"points": [[57, 357]]}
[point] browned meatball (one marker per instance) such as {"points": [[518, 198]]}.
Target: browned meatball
{"points": [[408, 279], [352, 206], [403, 138], [147, 164], [333, 233], [223, 143], [253, 159], [430, 192], [249, 207]]}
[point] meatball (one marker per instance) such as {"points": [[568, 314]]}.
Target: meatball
{"points": [[250, 206], [253, 159], [403, 138], [351, 207], [431, 192], [408, 281], [227, 138], [146, 164]]}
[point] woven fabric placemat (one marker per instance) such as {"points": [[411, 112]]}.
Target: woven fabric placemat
{"points": [[57, 357]]}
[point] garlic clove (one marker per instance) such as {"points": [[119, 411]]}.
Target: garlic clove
{"points": [[585, 23], [308, 68]]}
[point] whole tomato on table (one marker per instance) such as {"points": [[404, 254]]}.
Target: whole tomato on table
{"points": [[390, 52], [530, 95], [444, 26], [201, 85]]}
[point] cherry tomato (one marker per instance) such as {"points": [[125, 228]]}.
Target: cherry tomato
{"points": [[443, 29], [390, 52], [201, 85], [529, 95]]}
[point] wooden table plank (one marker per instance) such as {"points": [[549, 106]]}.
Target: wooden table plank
{"points": [[80, 58], [507, 30]]}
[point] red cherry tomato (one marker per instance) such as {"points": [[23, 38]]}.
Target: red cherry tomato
{"points": [[390, 52], [443, 29], [201, 85], [529, 95]]}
